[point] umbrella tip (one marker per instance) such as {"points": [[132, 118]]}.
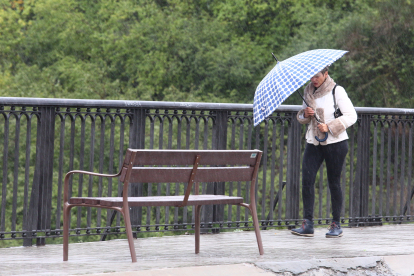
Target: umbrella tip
{"points": [[275, 57]]}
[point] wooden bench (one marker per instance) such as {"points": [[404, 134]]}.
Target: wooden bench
{"points": [[172, 166]]}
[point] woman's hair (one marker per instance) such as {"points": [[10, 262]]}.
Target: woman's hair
{"points": [[326, 69]]}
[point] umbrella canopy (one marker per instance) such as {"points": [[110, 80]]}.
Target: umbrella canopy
{"points": [[288, 76]]}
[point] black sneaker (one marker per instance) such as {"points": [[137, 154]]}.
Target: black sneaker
{"points": [[305, 230], [335, 230]]}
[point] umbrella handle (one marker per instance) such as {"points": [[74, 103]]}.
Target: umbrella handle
{"points": [[319, 122], [323, 139]]}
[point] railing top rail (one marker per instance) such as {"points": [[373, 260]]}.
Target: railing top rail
{"points": [[17, 101], [23, 101]]}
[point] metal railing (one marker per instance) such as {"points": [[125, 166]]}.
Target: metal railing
{"points": [[42, 139]]}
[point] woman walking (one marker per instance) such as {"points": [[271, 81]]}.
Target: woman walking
{"points": [[324, 97]]}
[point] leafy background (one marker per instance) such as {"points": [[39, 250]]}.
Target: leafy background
{"points": [[206, 50]]}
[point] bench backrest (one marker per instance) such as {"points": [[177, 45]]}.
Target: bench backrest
{"points": [[162, 166]]}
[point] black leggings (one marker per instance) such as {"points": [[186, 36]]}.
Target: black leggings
{"points": [[334, 156]]}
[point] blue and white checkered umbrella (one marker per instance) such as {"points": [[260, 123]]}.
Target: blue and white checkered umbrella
{"points": [[287, 77]]}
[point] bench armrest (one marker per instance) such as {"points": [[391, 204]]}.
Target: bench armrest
{"points": [[66, 183]]}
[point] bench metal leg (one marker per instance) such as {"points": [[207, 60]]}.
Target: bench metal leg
{"points": [[256, 229], [66, 222], [253, 212], [197, 228], [128, 229]]}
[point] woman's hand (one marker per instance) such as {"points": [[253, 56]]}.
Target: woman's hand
{"points": [[309, 112], [323, 127]]}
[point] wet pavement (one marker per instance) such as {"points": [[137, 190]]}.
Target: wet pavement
{"points": [[377, 250]]}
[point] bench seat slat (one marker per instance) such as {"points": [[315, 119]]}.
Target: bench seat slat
{"points": [[158, 200]]}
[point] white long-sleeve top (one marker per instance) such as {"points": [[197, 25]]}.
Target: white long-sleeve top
{"points": [[337, 126]]}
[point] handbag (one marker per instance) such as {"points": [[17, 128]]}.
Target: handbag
{"points": [[337, 112]]}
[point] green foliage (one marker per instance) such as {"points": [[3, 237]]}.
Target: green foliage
{"points": [[123, 50], [212, 51], [380, 41]]}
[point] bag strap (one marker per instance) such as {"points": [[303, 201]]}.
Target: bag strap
{"points": [[333, 93]]}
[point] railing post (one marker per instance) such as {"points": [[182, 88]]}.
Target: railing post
{"points": [[361, 184], [39, 217], [293, 168], [215, 213], [137, 141]]}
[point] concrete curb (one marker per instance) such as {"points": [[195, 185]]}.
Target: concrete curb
{"points": [[216, 270], [335, 266], [399, 265]]}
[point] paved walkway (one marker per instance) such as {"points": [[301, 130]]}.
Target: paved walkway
{"points": [[379, 250]]}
